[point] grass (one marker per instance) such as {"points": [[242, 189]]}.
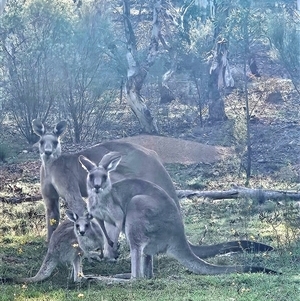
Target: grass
{"points": [[22, 249]]}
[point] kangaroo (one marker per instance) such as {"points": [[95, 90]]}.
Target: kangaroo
{"points": [[63, 248], [148, 216], [89, 235], [61, 175], [74, 239]]}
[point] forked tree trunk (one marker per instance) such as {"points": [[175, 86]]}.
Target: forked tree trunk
{"points": [[137, 72]]}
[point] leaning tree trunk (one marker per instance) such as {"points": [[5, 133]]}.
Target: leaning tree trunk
{"points": [[137, 72], [219, 79]]}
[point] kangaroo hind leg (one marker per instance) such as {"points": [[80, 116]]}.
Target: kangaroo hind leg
{"points": [[148, 266], [77, 268], [137, 269]]}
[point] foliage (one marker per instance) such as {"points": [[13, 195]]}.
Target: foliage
{"points": [[283, 31], [56, 65], [28, 70]]}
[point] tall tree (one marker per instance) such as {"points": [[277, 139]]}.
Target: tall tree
{"points": [[137, 70]]}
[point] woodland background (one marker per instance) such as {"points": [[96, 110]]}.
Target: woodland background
{"points": [[212, 86]]}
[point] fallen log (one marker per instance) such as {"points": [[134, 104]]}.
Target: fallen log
{"points": [[258, 194], [21, 198]]}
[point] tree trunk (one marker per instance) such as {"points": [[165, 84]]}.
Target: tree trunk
{"points": [[219, 79], [137, 73], [166, 95], [260, 195]]}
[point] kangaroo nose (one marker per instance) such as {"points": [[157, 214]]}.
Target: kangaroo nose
{"points": [[82, 233], [48, 152], [97, 188]]}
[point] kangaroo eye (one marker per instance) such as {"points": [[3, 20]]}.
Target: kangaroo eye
{"points": [[91, 178], [77, 226], [86, 226], [104, 177], [55, 143], [42, 142]]}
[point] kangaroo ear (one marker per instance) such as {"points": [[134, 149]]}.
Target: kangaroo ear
{"points": [[110, 161], [60, 128], [72, 216], [86, 163], [38, 127]]}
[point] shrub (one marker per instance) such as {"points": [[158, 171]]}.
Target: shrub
{"points": [[4, 151]]}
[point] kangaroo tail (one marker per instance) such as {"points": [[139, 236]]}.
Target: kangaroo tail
{"points": [[198, 266], [45, 271], [230, 246]]}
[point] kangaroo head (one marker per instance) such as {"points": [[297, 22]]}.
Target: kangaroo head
{"points": [[49, 143], [98, 179], [82, 223]]}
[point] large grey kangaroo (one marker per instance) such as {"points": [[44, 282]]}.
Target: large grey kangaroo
{"points": [[149, 217], [67, 246], [61, 175]]}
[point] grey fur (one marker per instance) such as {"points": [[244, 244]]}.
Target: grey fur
{"points": [[89, 235], [61, 175], [63, 248], [149, 218], [69, 244]]}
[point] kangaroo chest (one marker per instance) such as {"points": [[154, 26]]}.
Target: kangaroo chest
{"points": [[105, 209]]}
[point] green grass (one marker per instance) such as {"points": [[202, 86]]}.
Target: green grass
{"points": [[22, 249]]}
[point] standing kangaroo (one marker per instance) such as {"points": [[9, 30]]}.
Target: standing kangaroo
{"points": [[61, 175], [149, 218]]}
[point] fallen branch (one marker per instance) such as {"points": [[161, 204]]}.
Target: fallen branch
{"points": [[258, 194], [20, 199], [261, 195]]}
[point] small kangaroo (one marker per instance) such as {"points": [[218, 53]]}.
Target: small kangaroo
{"points": [[61, 175], [63, 248], [72, 240], [149, 218], [89, 235]]}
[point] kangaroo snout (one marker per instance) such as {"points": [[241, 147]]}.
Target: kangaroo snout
{"points": [[98, 188], [48, 153]]}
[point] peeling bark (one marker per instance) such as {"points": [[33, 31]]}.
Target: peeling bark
{"points": [[219, 79], [137, 72]]}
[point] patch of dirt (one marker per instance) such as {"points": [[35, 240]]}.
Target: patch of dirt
{"points": [[175, 150]]}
